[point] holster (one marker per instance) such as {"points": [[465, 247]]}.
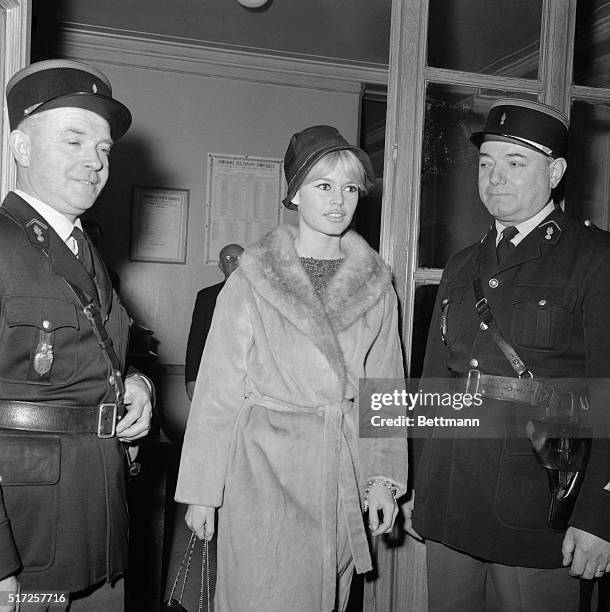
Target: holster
{"points": [[563, 450]]}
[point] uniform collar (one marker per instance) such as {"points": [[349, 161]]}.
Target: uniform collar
{"points": [[527, 226], [60, 223]]}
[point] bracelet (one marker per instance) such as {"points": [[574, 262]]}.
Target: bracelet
{"points": [[375, 481]]}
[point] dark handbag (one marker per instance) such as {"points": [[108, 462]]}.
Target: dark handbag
{"points": [[174, 605]]}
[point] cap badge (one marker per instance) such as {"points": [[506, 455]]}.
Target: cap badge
{"points": [[31, 109], [94, 88], [549, 232], [502, 118]]}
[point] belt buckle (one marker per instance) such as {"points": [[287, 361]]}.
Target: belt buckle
{"points": [[476, 375], [106, 420]]}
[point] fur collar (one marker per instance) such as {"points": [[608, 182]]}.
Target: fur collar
{"points": [[274, 270]]}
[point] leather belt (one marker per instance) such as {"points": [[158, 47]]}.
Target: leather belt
{"points": [[54, 418], [510, 389]]}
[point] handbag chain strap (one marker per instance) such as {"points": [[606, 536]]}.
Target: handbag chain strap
{"points": [[205, 572]]}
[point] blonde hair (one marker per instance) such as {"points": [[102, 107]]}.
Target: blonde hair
{"points": [[348, 162]]}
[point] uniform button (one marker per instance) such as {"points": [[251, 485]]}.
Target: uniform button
{"points": [[445, 301], [542, 303], [46, 324], [493, 283], [111, 380], [474, 363], [482, 326]]}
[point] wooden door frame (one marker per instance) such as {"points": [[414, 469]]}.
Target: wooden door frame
{"points": [[15, 17], [401, 585]]}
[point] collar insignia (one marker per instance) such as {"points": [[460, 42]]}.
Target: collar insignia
{"points": [[38, 227]]}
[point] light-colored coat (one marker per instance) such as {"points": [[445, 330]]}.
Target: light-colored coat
{"points": [[272, 437]]}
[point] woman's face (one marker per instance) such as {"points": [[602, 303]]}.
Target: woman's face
{"points": [[327, 201]]}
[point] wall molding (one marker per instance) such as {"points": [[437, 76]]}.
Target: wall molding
{"points": [[185, 56]]}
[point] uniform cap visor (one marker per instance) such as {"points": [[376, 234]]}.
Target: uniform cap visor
{"points": [[114, 112], [478, 138]]}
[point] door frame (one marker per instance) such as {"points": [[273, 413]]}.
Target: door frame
{"points": [[15, 19]]}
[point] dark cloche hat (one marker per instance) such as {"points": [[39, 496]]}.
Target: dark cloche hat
{"points": [[59, 83], [307, 147], [531, 124]]}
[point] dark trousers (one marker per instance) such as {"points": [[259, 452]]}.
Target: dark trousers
{"points": [[458, 582]]}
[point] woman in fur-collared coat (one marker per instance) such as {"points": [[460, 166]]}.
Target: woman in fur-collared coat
{"points": [[272, 438]]}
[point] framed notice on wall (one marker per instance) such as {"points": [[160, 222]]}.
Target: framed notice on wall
{"points": [[243, 200], [158, 225]]}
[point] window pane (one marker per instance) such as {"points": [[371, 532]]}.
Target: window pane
{"points": [[451, 214], [587, 187], [425, 295], [501, 38], [592, 44]]}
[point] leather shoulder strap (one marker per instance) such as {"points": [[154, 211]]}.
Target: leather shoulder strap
{"points": [[486, 316]]}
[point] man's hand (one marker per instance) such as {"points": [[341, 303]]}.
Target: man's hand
{"points": [[136, 422], [587, 555], [380, 498], [200, 519], [8, 585], [190, 388], [407, 513]]}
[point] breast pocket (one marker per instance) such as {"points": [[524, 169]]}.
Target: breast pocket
{"points": [[38, 339], [543, 317], [450, 307]]}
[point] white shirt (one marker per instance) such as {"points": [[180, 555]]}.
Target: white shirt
{"points": [[60, 223], [525, 227]]}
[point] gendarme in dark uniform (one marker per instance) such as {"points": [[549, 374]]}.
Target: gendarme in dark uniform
{"points": [[482, 504], [63, 516]]}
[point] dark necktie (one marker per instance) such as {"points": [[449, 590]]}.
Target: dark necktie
{"points": [[505, 246], [84, 250]]}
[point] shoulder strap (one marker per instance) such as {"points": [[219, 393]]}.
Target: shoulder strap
{"points": [[92, 312], [486, 316]]}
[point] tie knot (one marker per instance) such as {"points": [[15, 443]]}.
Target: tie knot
{"points": [[509, 232], [77, 233], [505, 246]]}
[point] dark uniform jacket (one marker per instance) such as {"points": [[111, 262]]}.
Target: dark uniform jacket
{"points": [[63, 518], [200, 327], [551, 299]]}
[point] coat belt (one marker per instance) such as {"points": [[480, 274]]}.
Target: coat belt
{"points": [[339, 447]]}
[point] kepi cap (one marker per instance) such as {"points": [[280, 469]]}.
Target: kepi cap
{"points": [[307, 147], [62, 83], [531, 124]]}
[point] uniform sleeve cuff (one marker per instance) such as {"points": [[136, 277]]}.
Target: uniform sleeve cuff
{"points": [[147, 382], [592, 511]]}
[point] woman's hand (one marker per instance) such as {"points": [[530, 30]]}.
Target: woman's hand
{"points": [[200, 519], [380, 498]]}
